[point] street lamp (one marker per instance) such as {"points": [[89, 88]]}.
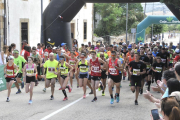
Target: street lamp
{"points": [[126, 20]]}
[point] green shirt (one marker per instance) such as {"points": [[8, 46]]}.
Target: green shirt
{"points": [[105, 55], [19, 61]]}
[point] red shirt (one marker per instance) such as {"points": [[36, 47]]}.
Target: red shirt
{"points": [[112, 70], [95, 71], [26, 55], [46, 50], [10, 71], [177, 58]]}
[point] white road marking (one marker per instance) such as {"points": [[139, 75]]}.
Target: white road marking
{"points": [[61, 109]]}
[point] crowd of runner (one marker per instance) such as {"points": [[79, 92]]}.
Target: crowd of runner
{"points": [[95, 65]]}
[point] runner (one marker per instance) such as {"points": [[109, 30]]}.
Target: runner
{"points": [[143, 58], [51, 66], [95, 72], [29, 73], [82, 67], [9, 74], [46, 54], [103, 74], [158, 68], [20, 62], [114, 66], [149, 69], [64, 75], [122, 63], [136, 69], [72, 61], [164, 57]]}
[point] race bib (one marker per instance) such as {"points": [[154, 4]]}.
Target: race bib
{"points": [[112, 71], [62, 69], [30, 71], [171, 61], [135, 71], [9, 72], [51, 69], [71, 62], [95, 69], [163, 60], [83, 68], [148, 66], [159, 69]]}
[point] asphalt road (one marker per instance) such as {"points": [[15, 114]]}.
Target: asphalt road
{"points": [[75, 108]]}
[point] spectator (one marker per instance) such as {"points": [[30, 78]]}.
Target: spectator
{"points": [[3, 55], [13, 46], [25, 43], [75, 43]]}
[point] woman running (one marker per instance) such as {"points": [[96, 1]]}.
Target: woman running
{"points": [[30, 71], [64, 75], [46, 54], [83, 66], [9, 74], [72, 61]]}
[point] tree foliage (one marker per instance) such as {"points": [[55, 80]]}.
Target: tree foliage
{"points": [[157, 29], [174, 2], [113, 16]]}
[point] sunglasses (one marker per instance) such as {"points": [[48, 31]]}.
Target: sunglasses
{"points": [[61, 58], [113, 55], [10, 59], [149, 54]]}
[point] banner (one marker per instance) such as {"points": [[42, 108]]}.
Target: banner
{"points": [[2, 79]]}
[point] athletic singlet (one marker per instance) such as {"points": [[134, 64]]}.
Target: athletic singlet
{"points": [[29, 71], [113, 70], [10, 71], [95, 71], [72, 62], [35, 56], [83, 67], [63, 68], [131, 59]]}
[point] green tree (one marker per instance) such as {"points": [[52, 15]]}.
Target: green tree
{"points": [[158, 28], [174, 2]]}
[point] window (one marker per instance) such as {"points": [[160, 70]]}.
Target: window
{"points": [[85, 30], [24, 31]]}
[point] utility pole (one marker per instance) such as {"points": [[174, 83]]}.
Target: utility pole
{"points": [[126, 21], [152, 24], [145, 10], [42, 33]]}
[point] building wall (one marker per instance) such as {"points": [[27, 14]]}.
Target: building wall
{"points": [[1, 24], [28, 11], [85, 14]]}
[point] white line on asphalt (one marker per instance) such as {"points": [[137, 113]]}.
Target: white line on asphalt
{"points": [[61, 109]]}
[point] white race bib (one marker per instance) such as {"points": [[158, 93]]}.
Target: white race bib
{"points": [[135, 71]]}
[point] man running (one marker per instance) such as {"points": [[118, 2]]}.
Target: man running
{"points": [[9, 74], [20, 62], [51, 74], [114, 66], [137, 69], [95, 65]]}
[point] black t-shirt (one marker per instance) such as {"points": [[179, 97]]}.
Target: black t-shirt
{"points": [[144, 58], [150, 62], [163, 56], [124, 52], [137, 67], [158, 67]]}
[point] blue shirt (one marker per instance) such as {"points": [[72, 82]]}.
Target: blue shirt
{"points": [[155, 53]]}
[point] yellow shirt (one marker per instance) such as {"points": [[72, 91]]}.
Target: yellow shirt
{"points": [[51, 67]]}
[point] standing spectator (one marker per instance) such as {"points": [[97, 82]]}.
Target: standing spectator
{"points": [[75, 43], [13, 46], [24, 43], [3, 55], [9, 51]]}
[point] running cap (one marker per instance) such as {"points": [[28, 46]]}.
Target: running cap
{"points": [[15, 51]]}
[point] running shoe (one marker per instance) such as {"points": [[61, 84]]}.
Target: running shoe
{"points": [[103, 94], [91, 92], [99, 88], [44, 89], [60, 88], [19, 91], [65, 98], [94, 99], [69, 88], [112, 101], [52, 97], [84, 96], [7, 100], [117, 99], [136, 102], [22, 85], [30, 102], [141, 91]]}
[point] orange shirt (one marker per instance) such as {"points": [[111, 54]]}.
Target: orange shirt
{"points": [[109, 53]]}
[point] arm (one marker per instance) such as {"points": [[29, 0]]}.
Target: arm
{"points": [[107, 66], [66, 55], [24, 73], [5, 70], [143, 72], [120, 68], [76, 67], [69, 66], [40, 60], [17, 70], [35, 67]]}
